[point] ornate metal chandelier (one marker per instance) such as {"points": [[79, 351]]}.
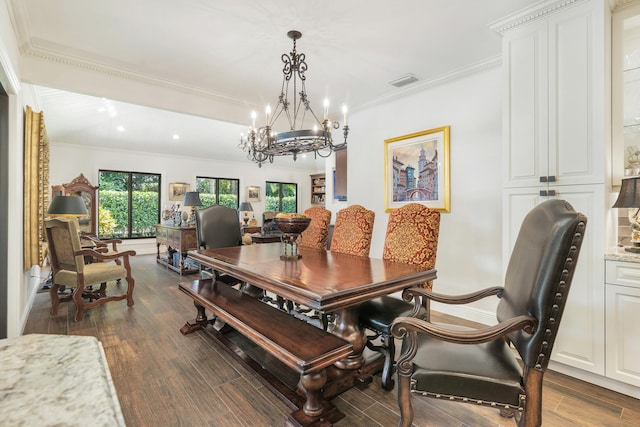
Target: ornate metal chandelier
{"points": [[264, 143]]}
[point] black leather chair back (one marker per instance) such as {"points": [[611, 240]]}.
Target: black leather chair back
{"points": [[217, 227], [539, 274]]}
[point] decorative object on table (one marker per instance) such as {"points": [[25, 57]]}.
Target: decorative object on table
{"points": [[177, 215], [246, 208], [177, 190], [253, 222], [253, 194], [263, 143], [629, 197], [67, 206], [417, 170], [291, 225], [192, 199]]}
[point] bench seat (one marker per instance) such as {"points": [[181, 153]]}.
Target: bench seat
{"points": [[301, 346]]}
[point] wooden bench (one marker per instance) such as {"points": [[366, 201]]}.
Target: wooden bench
{"points": [[301, 346]]}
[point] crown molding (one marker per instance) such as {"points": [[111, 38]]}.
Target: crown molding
{"points": [[617, 5], [48, 55], [533, 13]]}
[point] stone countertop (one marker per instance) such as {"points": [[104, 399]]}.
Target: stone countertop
{"points": [[56, 380], [619, 254]]}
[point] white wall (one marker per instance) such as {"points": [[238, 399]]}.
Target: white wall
{"points": [[67, 161], [469, 246], [20, 286]]}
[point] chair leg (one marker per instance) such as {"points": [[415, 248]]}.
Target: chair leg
{"points": [[130, 285], [55, 299], [404, 401], [77, 300], [389, 357], [532, 416]]}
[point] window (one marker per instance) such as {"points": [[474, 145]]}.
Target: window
{"points": [[221, 191], [281, 197], [128, 204]]}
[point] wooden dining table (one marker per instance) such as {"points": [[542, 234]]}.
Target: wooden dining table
{"points": [[329, 282]]}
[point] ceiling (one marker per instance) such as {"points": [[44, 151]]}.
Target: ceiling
{"points": [[231, 51]]}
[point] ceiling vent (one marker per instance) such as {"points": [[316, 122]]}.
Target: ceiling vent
{"points": [[404, 80]]}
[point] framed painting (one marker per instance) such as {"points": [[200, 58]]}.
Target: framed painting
{"points": [[416, 169], [253, 194], [177, 190]]}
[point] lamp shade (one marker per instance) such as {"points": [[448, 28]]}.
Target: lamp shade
{"points": [[67, 205], [192, 198], [629, 196], [245, 207]]}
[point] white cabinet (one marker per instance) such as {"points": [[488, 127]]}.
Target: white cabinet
{"points": [[623, 318], [554, 145], [553, 126], [580, 341]]}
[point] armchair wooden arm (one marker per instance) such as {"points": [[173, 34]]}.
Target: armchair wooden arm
{"points": [[402, 325], [411, 293]]}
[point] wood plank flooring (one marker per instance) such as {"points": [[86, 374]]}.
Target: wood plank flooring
{"points": [[166, 379]]}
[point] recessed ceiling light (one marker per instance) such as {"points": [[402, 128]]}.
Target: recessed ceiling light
{"points": [[176, 136], [120, 128]]}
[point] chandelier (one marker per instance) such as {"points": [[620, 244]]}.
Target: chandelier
{"points": [[264, 143]]}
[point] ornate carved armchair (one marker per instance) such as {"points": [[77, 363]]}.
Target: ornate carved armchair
{"points": [[478, 366], [69, 269]]}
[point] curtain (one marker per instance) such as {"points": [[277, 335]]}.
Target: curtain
{"points": [[36, 182]]}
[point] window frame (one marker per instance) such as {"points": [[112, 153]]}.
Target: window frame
{"points": [[280, 184], [217, 193], [130, 202]]}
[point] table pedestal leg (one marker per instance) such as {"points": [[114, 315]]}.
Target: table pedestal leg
{"points": [[348, 327]]}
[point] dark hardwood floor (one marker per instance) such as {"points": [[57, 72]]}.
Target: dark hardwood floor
{"points": [[166, 379]]}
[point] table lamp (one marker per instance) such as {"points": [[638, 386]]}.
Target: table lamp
{"points": [[192, 198], [246, 208], [67, 206], [629, 197]]}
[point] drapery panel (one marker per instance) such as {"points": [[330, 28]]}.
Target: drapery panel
{"points": [[36, 183]]}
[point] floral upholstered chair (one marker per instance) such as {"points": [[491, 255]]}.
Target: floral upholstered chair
{"points": [[316, 235], [69, 270], [352, 231], [412, 238]]}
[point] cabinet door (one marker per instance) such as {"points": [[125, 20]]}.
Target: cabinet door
{"points": [[553, 112], [525, 153], [576, 134], [623, 338], [580, 341]]}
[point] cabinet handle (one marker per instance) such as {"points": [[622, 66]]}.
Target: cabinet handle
{"points": [[552, 178], [543, 193], [543, 179], [552, 192]]}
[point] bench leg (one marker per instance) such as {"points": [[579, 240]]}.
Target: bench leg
{"points": [[199, 322], [316, 411]]}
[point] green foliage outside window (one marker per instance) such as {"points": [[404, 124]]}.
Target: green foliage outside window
{"points": [[115, 204], [226, 189], [281, 197]]}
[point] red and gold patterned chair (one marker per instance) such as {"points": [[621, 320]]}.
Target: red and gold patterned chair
{"points": [[352, 231], [315, 236], [412, 238]]}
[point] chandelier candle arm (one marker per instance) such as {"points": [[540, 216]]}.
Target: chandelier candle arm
{"points": [[264, 143]]}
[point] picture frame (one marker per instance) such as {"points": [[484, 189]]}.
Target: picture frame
{"points": [[177, 190], [253, 193], [416, 170]]}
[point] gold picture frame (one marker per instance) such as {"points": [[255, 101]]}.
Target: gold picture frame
{"points": [[416, 169], [177, 190]]}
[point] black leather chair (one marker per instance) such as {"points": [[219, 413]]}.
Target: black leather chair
{"points": [[218, 227], [478, 365]]}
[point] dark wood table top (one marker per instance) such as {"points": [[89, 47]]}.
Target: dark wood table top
{"points": [[321, 279]]}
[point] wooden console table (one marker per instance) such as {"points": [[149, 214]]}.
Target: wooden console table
{"points": [[181, 239]]}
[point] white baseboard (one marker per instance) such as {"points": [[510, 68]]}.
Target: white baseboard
{"points": [[466, 312], [596, 379]]}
